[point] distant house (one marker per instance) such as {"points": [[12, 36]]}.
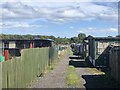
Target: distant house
{"points": [[97, 49]]}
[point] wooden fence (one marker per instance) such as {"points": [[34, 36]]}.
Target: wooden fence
{"points": [[20, 72], [114, 62]]}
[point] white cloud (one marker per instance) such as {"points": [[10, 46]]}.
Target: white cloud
{"points": [[99, 11], [99, 31], [114, 29], [71, 27], [18, 25], [61, 0], [91, 30], [17, 10]]}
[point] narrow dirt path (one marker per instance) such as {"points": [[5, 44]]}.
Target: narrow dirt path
{"points": [[89, 77], [54, 79]]}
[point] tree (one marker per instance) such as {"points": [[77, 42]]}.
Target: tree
{"points": [[118, 35], [57, 39], [52, 37], [109, 36], [74, 40], [81, 36]]}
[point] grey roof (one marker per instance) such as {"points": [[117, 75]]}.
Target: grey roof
{"points": [[27, 40], [103, 38]]}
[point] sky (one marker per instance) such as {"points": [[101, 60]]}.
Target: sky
{"points": [[64, 18]]}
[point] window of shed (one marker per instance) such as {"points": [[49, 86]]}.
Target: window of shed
{"points": [[6, 45]]}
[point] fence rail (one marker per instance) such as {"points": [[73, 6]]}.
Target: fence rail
{"points": [[20, 72]]}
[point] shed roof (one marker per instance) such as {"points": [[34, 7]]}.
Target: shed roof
{"points": [[50, 40], [103, 38]]}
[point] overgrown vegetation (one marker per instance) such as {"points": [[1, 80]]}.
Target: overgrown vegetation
{"points": [[69, 51], [72, 78]]}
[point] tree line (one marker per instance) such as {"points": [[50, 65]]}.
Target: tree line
{"points": [[58, 40]]}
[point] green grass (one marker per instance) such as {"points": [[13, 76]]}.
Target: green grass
{"points": [[69, 51], [51, 67], [72, 78], [66, 52], [71, 69]]}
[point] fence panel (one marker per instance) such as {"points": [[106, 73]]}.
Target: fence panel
{"points": [[21, 71], [114, 63], [53, 55], [0, 75], [4, 74]]}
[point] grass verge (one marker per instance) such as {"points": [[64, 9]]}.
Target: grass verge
{"points": [[72, 78]]}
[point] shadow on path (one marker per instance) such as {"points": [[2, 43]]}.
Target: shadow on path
{"points": [[79, 62], [93, 79], [76, 57], [99, 81]]}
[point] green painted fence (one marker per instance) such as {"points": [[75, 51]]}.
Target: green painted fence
{"points": [[0, 75], [20, 72], [53, 54]]}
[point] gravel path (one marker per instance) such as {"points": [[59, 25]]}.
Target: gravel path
{"points": [[89, 77], [54, 79]]}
